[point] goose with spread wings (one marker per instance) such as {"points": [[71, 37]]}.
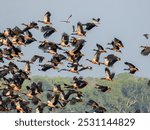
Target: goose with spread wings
{"points": [[47, 31], [100, 48], [75, 50], [76, 41], [102, 88], [96, 58], [92, 24], [96, 107], [132, 69], [29, 26], [49, 47], [109, 75], [110, 60], [65, 40], [46, 20], [79, 30], [37, 57]]}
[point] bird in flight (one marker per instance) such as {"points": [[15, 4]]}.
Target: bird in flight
{"points": [[67, 20], [145, 51], [110, 60], [46, 20], [146, 36], [109, 75], [79, 30], [116, 45], [102, 88], [132, 69], [96, 21], [93, 23], [96, 57], [96, 107]]}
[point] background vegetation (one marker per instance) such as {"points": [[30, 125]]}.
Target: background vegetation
{"points": [[128, 94]]}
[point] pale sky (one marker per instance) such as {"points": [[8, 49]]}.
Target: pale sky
{"points": [[126, 20]]}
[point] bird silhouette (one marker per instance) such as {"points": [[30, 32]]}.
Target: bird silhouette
{"points": [[102, 88], [145, 51], [110, 60], [67, 20], [132, 69], [109, 75], [46, 20], [146, 36], [79, 30], [20, 92]]}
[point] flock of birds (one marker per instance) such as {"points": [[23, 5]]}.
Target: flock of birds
{"points": [[13, 98]]}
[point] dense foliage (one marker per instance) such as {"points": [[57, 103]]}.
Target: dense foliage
{"points": [[128, 93]]}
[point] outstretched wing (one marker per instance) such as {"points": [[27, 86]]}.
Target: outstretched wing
{"points": [[99, 47], [16, 30], [28, 33], [80, 27], [47, 17], [73, 27], [107, 72], [146, 35], [65, 38], [118, 42], [78, 48], [69, 17], [48, 30], [35, 57], [97, 56], [129, 64]]}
